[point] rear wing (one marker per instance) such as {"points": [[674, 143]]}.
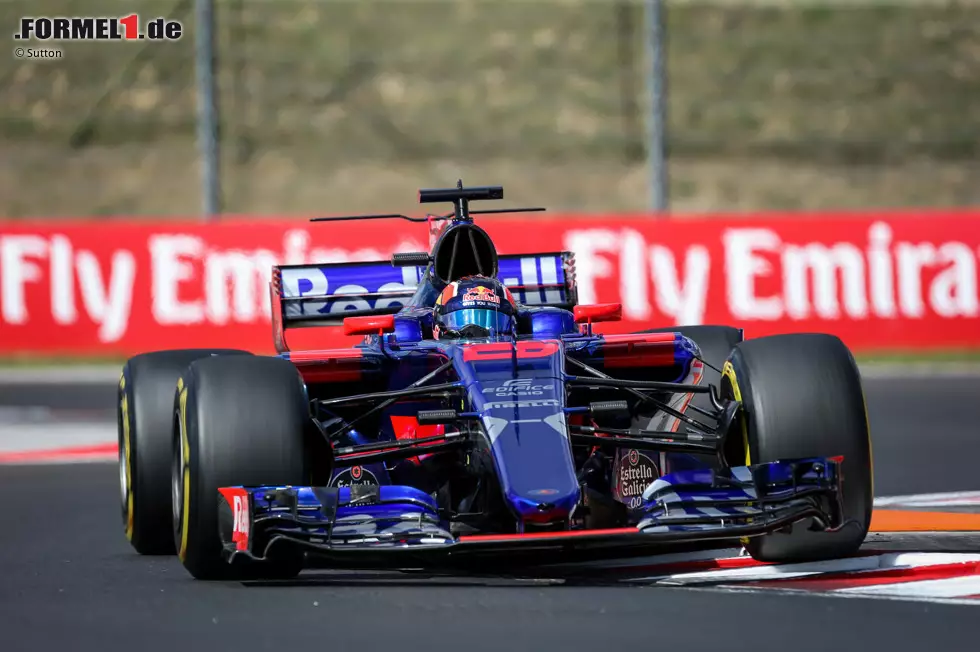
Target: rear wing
{"points": [[323, 295]]}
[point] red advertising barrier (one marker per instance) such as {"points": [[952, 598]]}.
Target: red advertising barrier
{"points": [[879, 281]]}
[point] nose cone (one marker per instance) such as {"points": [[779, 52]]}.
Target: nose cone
{"points": [[543, 513], [534, 461], [518, 390]]}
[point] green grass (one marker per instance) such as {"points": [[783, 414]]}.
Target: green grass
{"points": [[325, 102]]}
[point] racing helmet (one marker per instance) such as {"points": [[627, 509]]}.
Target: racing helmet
{"points": [[474, 307]]}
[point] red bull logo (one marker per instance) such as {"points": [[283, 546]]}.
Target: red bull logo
{"points": [[481, 293]]}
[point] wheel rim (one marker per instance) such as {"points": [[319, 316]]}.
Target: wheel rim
{"points": [[123, 492], [124, 457], [177, 477]]}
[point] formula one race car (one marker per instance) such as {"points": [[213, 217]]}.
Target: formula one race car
{"points": [[483, 418]]}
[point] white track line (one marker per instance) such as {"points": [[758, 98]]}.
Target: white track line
{"points": [[35, 437], [951, 590], [885, 561], [63, 459], [952, 587], [906, 370], [944, 499], [755, 573], [734, 588]]}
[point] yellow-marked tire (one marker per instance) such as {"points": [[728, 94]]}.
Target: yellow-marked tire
{"points": [[236, 421], [144, 417], [802, 397]]}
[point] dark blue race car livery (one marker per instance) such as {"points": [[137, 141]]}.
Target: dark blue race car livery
{"points": [[552, 439]]}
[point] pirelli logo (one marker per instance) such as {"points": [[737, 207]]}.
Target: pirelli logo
{"points": [[125, 28]]}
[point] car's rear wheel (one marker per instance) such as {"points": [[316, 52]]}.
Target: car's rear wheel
{"points": [[144, 416], [802, 397], [237, 421]]}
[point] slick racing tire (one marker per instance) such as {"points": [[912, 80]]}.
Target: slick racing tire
{"points": [[144, 416], [716, 343], [237, 421], [802, 397]]}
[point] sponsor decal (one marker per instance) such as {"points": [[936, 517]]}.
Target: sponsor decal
{"points": [[332, 291], [355, 475], [480, 293], [237, 499], [633, 472], [877, 281], [833, 271], [521, 404], [240, 531], [519, 387]]}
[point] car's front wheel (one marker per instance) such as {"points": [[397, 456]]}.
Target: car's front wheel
{"points": [[802, 397], [144, 413], [237, 422]]}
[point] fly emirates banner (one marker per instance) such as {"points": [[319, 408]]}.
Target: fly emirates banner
{"points": [[879, 281]]}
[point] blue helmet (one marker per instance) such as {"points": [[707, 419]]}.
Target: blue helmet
{"points": [[474, 307]]}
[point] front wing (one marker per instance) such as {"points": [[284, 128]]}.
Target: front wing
{"points": [[379, 525]]}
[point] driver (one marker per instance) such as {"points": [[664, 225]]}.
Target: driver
{"points": [[474, 307]]}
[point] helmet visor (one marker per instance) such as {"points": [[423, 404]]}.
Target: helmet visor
{"points": [[491, 320]]}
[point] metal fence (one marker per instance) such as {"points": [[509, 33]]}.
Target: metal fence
{"points": [[340, 105]]}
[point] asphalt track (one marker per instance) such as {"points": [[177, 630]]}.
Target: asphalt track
{"points": [[69, 580]]}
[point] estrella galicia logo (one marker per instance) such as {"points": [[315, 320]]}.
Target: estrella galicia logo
{"points": [[519, 387], [634, 472], [355, 475]]}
